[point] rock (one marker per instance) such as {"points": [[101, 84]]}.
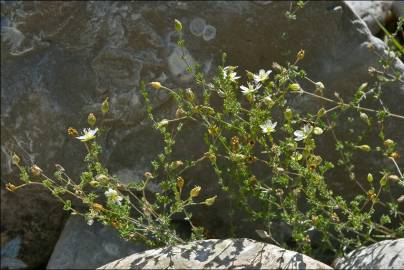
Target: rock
{"points": [[81, 246], [31, 222], [63, 58], [388, 254], [370, 11], [398, 8], [218, 254]]}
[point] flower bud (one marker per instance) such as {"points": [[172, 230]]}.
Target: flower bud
{"points": [[319, 86], [383, 181], [102, 178], [210, 201], [364, 147], [105, 106], [91, 119], [195, 191], [394, 177], [15, 159], [288, 114], [177, 25], [364, 117], [250, 75], [268, 100], [72, 132], [179, 163], [10, 187], [36, 170], [148, 175], [97, 207], [155, 85], [388, 142], [370, 178], [321, 112], [318, 131], [179, 113], [395, 155], [180, 182], [294, 87], [190, 96], [94, 183], [300, 55]]}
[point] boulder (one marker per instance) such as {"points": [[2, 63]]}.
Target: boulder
{"points": [[388, 254], [31, 222], [372, 11], [239, 253], [398, 8], [61, 59], [81, 246]]}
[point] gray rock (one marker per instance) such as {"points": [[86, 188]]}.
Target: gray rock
{"points": [[218, 254], [398, 8], [370, 11], [31, 222], [81, 246], [388, 254], [61, 59]]}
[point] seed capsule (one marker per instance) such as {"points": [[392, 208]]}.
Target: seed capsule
{"points": [[36, 170], [15, 159], [91, 119], [105, 106], [195, 191]]}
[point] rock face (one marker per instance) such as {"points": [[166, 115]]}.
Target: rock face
{"points": [[61, 59], [370, 11], [218, 254], [31, 222], [81, 246], [388, 254]]}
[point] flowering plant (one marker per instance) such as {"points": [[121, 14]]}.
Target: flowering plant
{"points": [[264, 154]]}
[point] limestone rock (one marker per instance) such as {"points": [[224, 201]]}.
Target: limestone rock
{"points": [[388, 254], [239, 253], [81, 246], [370, 11]]}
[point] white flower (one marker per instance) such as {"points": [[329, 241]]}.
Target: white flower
{"points": [[303, 133], [89, 134], [261, 76], [268, 126], [113, 196], [230, 74], [90, 222], [250, 89]]}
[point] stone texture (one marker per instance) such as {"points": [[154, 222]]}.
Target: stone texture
{"points": [[218, 254], [30, 224], [61, 59], [370, 11], [398, 8], [81, 246], [388, 254]]}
